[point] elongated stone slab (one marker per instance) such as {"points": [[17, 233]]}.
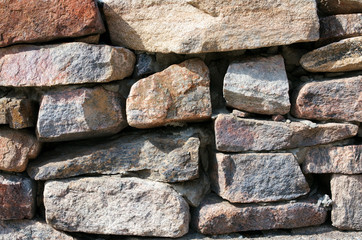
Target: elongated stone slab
{"points": [[178, 94], [257, 177], [345, 55], [341, 26], [169, 156], [80, 113], [216, 216], [340, 6], [63, 64], [197, 26], [17, 197], [333, 159], [121, 206], [258, 85], [17, 112], [330, 100], [234, 134], [347, 201]]}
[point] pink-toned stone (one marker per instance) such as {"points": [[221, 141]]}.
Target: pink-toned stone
{"points": [[180, 93], [18, 113], [41, 21], [341, 26], [330, 100]]}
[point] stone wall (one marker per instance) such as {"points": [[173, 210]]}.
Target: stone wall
{"points": [[191, 118]]}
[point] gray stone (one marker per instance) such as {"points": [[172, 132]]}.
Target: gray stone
{"points": [[146, 65], [341, 26]]}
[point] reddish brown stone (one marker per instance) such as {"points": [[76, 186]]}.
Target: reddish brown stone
{"points": [[17, 197], [341, 26], [18, 113], [278, 118], [215, 216], [41, 21], [330, 100]]}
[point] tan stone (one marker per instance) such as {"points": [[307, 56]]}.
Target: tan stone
{"points": [[18, 113], [340, 6]]}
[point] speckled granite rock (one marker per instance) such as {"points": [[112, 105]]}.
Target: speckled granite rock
{"points": [[341, 26], [17, 112], [340, 6]]}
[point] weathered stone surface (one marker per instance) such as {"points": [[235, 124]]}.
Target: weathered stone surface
{"points": [[258, 85], [339, 99], [16, 148], [333, 159], [18, 113], [169, 156], [216, 216], [17, 197], [178, 94], [341, 26], [122, 206], [340, 6], [209, 26], [30, 230], [347, 201], [146, 65], [234, 134], [40, 21], [345, 55], [80, 113], [62, 64], [257, 177]]}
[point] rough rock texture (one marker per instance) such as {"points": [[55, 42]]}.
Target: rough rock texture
{"points": [[17, 197], [257, 177], [80, 113], [258, 85], [16, 148], [180, 93], [169, 156], [345, 55], [234, 134], [330, 100], [340, 6], [40, 21], [216, 216], [341, 26], [62, 64], [122, 206], [18, 113], [333, 159], [30, 230], [196, 26], [347, 201]]}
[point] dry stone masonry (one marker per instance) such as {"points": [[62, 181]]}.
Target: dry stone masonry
{"points": [[186, 119]]}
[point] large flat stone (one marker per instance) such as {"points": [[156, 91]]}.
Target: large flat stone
{"points": [[121, 206], [17, 197], [333, 159], [340, 6], [234, 134], [339, 99], [257, 177], [258, 85], [341, 26], [80, 113], [40, 21], [178, 94], [216, 216], [18, 112], [196, 26], [169, 156], [347, 201], [345, 55], [62, 64], [16, 148]]}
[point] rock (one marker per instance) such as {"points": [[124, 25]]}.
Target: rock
{"points": [[17, 197], [41, 21], [165, 155], [63, 64], [347, 201], [195, 26], [216, 216], [339, 99], [258, 85], [122, 206], [240, 134], [241, 114], [180, 93], [341, 26], [80, 113], [257, 177], [30, 230], [278, 118], [333, 159], [342, 56], [92, 39], [16, 148], [146, 65], [18, 113], [340, 6]]}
